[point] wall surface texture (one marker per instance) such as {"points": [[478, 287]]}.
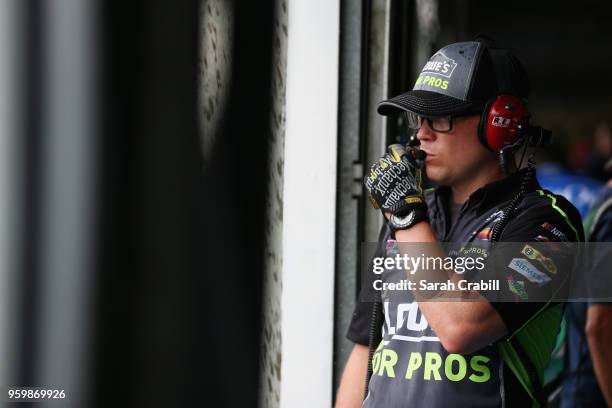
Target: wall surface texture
{"points": [[215, 60], [270, 380], [217, 26]]}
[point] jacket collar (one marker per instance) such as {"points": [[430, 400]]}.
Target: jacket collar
{"points": [[492, 194]]}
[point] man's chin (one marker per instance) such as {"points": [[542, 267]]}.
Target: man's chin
{"points": [[434, 176]]}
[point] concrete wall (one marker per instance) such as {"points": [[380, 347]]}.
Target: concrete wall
{"points": [[270, 380], [216, 50], [297, 310], [216, 47]]}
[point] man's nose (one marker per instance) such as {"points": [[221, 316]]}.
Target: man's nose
{"points": [[425, 133]]}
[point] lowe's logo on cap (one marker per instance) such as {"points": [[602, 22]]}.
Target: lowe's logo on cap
{"points": [[525, 268], [449, 71], [440, 64]]}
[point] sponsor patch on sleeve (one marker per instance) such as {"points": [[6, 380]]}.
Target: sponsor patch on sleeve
{"points": [[556, 232], [532, 253], [526, 268], [517, 287]]}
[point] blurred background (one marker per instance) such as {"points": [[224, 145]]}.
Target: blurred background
{"points": [[181, 209]]}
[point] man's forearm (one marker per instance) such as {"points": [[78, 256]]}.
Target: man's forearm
{"points": [[599, 332], [352, 384], [462, 327]]}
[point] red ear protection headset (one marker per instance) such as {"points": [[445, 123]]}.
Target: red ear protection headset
{"points": [[504, 122], [505, 119]]}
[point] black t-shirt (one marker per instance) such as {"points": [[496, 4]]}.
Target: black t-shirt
{"points": [[411, 368], [454, 210]]}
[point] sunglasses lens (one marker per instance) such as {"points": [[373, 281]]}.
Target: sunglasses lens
{"points": [[413, 120], [440, 124]]}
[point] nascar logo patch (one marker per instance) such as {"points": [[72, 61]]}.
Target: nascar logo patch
{"points": [[554, 231]]}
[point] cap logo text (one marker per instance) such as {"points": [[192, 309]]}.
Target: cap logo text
{"points": [[440, 64]]}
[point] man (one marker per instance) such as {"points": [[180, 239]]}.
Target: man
{"points": [[479, 353], [588, 382]]}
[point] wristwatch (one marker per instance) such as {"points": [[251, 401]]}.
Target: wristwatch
{"points": [[400, 222]]}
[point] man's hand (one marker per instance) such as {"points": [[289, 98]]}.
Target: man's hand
{"points": [[395, 182]]}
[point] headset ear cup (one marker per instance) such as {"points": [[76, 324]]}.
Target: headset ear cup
{"points": [[504, 123], [482, 127]]}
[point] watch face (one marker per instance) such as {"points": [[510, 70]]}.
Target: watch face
{"points": [[402, 222]]}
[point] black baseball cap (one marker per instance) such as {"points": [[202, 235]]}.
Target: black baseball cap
{"points": [[459, 79]]}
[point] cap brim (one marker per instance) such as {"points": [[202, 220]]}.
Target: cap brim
{"points": [[428, 103]]}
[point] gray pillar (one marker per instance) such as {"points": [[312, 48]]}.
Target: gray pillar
{"points": [[378, 79], [360, 93], [67, 200], [11, 135], [428, 29], [349, 178]]}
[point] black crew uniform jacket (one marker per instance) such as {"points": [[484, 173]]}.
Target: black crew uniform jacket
{"points": [[536, 208]]}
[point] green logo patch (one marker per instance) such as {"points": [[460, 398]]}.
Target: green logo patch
{"points": [[517, 287]]}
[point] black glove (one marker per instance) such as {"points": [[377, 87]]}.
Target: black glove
{"points": [[395, 182]]}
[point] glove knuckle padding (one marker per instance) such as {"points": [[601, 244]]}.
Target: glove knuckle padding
{"points": [[396, 151], [394, 182]]}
